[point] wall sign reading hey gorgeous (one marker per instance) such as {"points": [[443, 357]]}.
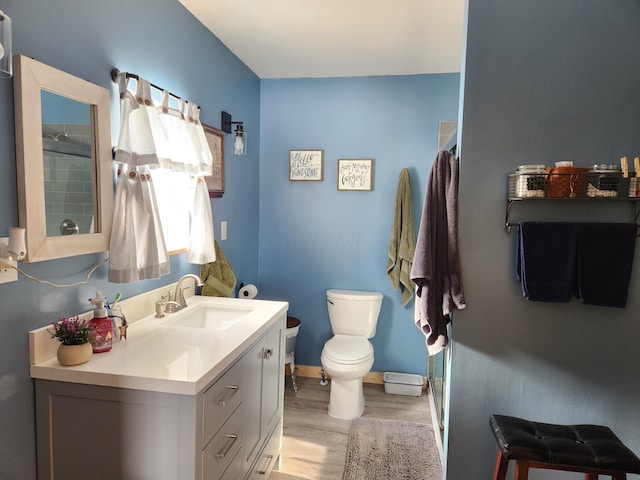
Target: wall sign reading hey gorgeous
{"points": [[305, 165], [355, 174]]}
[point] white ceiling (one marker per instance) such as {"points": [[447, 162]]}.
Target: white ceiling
{"points": [[336, 38]]}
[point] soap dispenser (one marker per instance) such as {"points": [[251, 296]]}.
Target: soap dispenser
{"points": [[103, 339]]}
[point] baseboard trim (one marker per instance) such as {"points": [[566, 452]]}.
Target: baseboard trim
{"points": [[314, 371]]}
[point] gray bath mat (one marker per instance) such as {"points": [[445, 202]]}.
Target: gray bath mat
{"points": [[391, 450]]}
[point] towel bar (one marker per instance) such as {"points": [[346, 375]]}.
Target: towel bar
{"points": [[508, 225]]}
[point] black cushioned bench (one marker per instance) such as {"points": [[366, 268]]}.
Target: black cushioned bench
{"points": [[590, 449]]}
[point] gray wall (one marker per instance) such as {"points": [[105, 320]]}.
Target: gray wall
{"points": [[543, 81]]}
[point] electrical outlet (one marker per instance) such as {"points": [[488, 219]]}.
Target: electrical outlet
{"points": [[7, 274], [223, 230]]}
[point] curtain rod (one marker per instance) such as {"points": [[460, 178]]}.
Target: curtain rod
{"points": [[114, 76]]}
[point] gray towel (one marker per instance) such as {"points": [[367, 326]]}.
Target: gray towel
{"points": [[436, 263], [402, 243]]}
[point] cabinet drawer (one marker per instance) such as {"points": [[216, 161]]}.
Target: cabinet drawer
{"points": [[223, 447], [221, 399], [269, 456]]}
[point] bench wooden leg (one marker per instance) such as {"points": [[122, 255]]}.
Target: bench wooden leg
{"points": [[500, 471], [522, 470]]}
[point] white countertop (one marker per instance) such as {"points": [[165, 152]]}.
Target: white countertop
{"points": [[160, 356]]}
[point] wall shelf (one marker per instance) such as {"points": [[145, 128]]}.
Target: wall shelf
{"points": [[584, 187]]}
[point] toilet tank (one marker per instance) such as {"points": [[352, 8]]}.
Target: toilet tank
{"points": [[353, 312]]}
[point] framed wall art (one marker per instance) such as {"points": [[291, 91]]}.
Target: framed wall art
{"points": [[306, 165], [215, 181], [355, 174]]}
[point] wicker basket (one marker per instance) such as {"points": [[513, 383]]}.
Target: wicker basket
{"points": [[566, 182]]}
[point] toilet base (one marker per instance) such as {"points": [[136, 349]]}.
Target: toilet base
{"points": [[346, 399]]}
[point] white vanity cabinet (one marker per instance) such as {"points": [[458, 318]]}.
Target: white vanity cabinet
{"points": [[231, 429]]}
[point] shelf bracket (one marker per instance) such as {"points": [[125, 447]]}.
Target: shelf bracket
{"points": [[507, 225]]}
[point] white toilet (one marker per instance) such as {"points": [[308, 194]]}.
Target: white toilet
{"points": [[348, 356]]}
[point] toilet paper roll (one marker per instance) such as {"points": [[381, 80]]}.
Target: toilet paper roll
{"points": [[248, 291]]}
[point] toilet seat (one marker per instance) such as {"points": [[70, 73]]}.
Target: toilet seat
{"points": [[348, 349]]}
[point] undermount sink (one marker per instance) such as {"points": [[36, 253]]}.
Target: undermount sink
{"points": [[210, 317]]}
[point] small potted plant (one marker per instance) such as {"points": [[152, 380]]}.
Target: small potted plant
{"points": [[75, 336]]}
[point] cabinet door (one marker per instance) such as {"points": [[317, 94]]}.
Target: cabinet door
{"points": [[263, 391], [251, 430], [272, 378]]}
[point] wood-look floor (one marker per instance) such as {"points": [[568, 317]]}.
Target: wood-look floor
{"points": [[314, 444]]}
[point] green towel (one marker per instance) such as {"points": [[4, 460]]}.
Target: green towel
{"points": [[218, 277], [402, 244]]}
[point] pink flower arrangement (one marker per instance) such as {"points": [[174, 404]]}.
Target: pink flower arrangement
{"points": [[72, 331]]}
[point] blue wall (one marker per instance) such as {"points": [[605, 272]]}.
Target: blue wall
{"points": [[87, 39], [311, 236], [314, 237], [544, 81]]}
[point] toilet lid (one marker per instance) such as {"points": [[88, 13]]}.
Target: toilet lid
{"points": [[348, 349]]}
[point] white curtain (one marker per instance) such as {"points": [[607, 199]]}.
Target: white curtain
{"points": [[155, 137], [188, 150], [201, 238], [137, 249], [136, 142], [201, 244]]}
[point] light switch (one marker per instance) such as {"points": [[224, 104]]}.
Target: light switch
{"points": [[223, 230]]}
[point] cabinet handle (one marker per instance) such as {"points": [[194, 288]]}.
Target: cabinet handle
{"points": [[269, 459], [267, 353], [233, 439], [231, 391]]}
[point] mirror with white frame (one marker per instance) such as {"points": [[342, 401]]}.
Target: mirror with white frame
{"points": [[63, 159]]}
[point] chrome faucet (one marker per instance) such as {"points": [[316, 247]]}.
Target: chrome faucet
{"points": [[178, 296]]}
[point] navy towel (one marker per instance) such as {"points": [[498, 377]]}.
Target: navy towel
{"points": [[605, 258], [546, 259]]}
